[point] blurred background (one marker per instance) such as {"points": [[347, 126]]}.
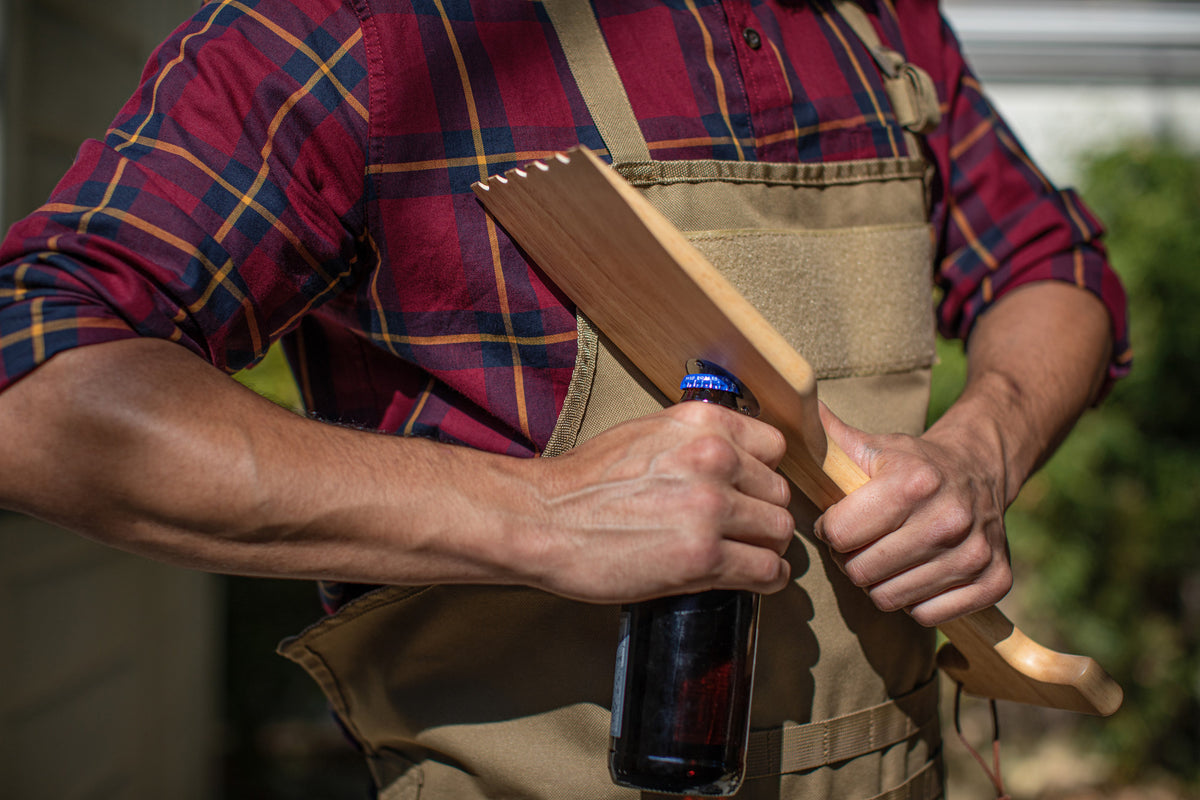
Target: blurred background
{"points": [[123, 678]]}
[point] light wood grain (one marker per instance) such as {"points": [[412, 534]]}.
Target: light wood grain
{"points": [[660, 301]]}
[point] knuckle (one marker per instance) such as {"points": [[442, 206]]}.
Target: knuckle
{"points": [[856, 572], [950, 529], [885, 600], [835, 535], [778, 445], [766, 571], [784, 527], [922, 481], [698, 414], [712, 455], [1001, 581], [782, 493], [957, 519], [700, 555], [710, 503], [977, 556], [925, 616]]}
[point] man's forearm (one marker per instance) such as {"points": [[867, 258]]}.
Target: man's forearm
{"points": [[142, 445], [1036, 361]]}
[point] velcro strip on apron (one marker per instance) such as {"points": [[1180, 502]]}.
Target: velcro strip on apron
{"points": [[794, 748], [843, 297]]}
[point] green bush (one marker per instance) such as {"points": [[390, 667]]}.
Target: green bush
{"points": [[272, 378], [1106, 537]]}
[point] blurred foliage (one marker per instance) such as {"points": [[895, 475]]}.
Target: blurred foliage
{"points": [[1114, 523], [272, 378], [1106, 537]]}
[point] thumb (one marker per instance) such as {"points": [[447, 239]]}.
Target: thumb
{"points": [[854, 442]]}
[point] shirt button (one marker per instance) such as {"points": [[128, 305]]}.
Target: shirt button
{"points": [[752, 38]]}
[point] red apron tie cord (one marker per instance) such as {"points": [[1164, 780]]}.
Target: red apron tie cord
{"points": [[992, 772]]}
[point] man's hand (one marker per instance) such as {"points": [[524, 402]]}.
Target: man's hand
{"points": [[680, 501], [926, 534]]}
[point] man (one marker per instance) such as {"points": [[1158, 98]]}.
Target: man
{"points": [[302, 170]]}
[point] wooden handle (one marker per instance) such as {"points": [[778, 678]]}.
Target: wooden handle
{"points": [[660, 301], [990, 657]]}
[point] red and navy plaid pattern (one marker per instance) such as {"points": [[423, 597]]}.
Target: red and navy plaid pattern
{"points": [[302, 169]]}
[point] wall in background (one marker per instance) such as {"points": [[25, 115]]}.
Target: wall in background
{"points": [[1072, 76]]}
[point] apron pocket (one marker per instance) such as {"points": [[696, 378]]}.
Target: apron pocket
{"points": [[852, 301]]}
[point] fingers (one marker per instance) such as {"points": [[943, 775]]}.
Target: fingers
{"points": [[759, 440], [730, 447], [740, 497], [940, 564], [680, 501], [953, 582], [725, 557], [932, 588], [756, 569], [757, 514], [926, 534], [959, 602], [902, 479], [760, 524]]}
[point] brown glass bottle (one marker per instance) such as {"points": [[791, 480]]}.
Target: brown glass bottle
{"points": [[685, 670]]}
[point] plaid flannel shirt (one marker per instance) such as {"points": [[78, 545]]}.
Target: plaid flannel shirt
{"points": [[302, 169]]}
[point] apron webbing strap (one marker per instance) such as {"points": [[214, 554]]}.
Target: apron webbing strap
{"points": [[794, 748], [596, 75]]}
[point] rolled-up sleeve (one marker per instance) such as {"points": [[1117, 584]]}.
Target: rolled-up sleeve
{"points": [[1002, 223], [226, 201]]}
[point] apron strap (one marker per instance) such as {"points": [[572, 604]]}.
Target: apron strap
{"points": [[909, 88], [794, 748], [592, 66]]}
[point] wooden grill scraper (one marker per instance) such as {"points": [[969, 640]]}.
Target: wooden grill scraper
{"points": [[660, 301]]}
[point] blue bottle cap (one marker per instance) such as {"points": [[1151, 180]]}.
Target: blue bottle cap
{"points": [[713, 382]]}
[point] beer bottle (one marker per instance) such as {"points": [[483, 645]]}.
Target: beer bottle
{"points": [[685, 670]]}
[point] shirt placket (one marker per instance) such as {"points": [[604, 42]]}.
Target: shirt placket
{"points": [[769, 97]]}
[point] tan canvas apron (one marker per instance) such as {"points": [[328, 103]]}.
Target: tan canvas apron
{"points": [[463, 692]]}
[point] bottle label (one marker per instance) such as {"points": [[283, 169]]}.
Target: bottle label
{"points": [[618, 701]]}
